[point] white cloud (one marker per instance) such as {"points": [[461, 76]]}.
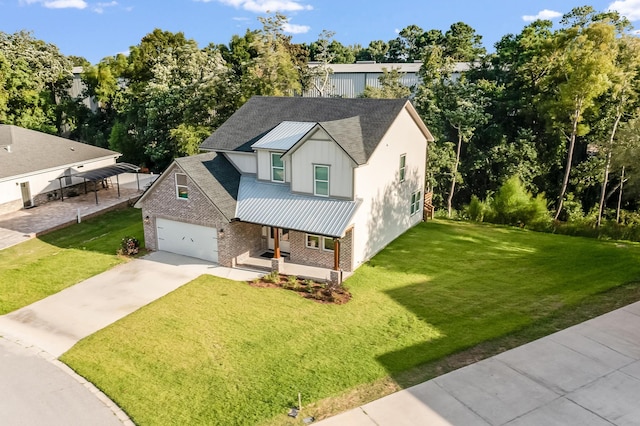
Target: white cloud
{"points": [[295, 29], [99, 7], [263, 6], [543, 14], [628, 8], [240, 18], [58, 4]]}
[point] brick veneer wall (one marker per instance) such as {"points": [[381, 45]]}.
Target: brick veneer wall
{"points": [[303, 255], [237, 239]]}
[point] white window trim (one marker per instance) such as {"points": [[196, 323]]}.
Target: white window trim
{"points": [[306, 241], [315, 180], [416, 202], [403, 168], [178, 186], [284, 172], [321, 240]]}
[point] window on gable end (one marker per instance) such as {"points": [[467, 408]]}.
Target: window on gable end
{"points": [[403, 162], [182, 191]]}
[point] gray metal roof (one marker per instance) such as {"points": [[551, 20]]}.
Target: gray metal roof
{"points": [[274, 205], [106, 172], [284, 135], [260, 115], [24, 151], [216, 177]]}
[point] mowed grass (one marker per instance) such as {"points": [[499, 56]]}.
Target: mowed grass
{"points": [[219, 352], [40, 267]]}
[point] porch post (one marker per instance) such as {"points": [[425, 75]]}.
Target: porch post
{"points": [[276, 243], [336, 254]]}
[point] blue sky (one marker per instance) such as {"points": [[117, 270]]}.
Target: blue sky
{"points": [[98, 28]]}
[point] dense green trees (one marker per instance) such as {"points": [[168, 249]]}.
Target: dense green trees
{"points": [[555, 107]]}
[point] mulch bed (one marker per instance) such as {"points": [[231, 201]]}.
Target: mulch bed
{"points": [[309, 289]]}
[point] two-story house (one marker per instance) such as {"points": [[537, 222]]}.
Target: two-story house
{"points": [[324, 182]]}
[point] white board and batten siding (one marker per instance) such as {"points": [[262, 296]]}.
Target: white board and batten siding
{"points": [[386, 202], [245, 162], [321, 150], [187, 239], [264, 165]]}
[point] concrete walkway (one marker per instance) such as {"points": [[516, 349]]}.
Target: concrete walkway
{"points": [[58, 322], [588, 374]]}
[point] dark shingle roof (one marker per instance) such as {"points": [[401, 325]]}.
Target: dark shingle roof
{"points": [[367, 122], [217, 179], [24, 151]]}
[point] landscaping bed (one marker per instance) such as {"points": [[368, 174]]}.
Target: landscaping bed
{"points": [[321, 292]]}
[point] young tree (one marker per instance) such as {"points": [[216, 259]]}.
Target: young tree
{"points": [[391, 86], [582, 62], [464, 108], [622, 95]]}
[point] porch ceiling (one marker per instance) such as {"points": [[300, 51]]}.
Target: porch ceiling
{"points": [[274, 205]]}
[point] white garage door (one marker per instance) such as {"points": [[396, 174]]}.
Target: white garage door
{"points": [[187, 239]]}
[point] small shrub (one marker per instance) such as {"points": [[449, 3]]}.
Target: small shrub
{"points": [[476, 209], [272, 277], [129, 246]]}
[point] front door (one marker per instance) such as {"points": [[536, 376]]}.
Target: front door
{"points": [[284, 239], [26, 194]]}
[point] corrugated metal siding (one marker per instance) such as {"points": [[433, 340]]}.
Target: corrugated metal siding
{"points": [[284, 135], [274, 205]]}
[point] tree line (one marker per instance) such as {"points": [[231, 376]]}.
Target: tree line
{"points": [[555, 107]]}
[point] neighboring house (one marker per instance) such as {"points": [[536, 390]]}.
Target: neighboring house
{"points": [[327, 181], [35, 165], [350, 80]]}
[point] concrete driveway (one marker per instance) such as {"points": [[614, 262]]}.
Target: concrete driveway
{"points": [[35, 388], [58, 322], [588, 374]]}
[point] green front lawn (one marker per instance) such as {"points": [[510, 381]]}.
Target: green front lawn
{"points": [[222, 352], [37, 268]]}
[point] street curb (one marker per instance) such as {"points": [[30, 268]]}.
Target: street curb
{"points": [[101, 396]]}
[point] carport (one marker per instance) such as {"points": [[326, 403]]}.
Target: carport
{"points": [[102, 173]]}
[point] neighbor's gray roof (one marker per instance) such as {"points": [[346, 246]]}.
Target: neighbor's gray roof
{"points": [[370, 118], [284, 135], [31, 151], [274, 205], [216, 177]]}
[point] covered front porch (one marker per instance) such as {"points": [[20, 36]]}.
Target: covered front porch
{"points": [[303, 254], [288, 268]]}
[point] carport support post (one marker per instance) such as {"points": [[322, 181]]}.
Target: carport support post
{"points": [[95, 190], [61, 191], [118, 183]]}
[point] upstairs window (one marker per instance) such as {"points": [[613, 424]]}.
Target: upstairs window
{"points": [[181, 186], [403, 162], [277, 167], [321, 180], [416, 200]]}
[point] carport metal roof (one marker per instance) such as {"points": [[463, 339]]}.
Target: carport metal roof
{"points": [[107, 172], [102, 173]]}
